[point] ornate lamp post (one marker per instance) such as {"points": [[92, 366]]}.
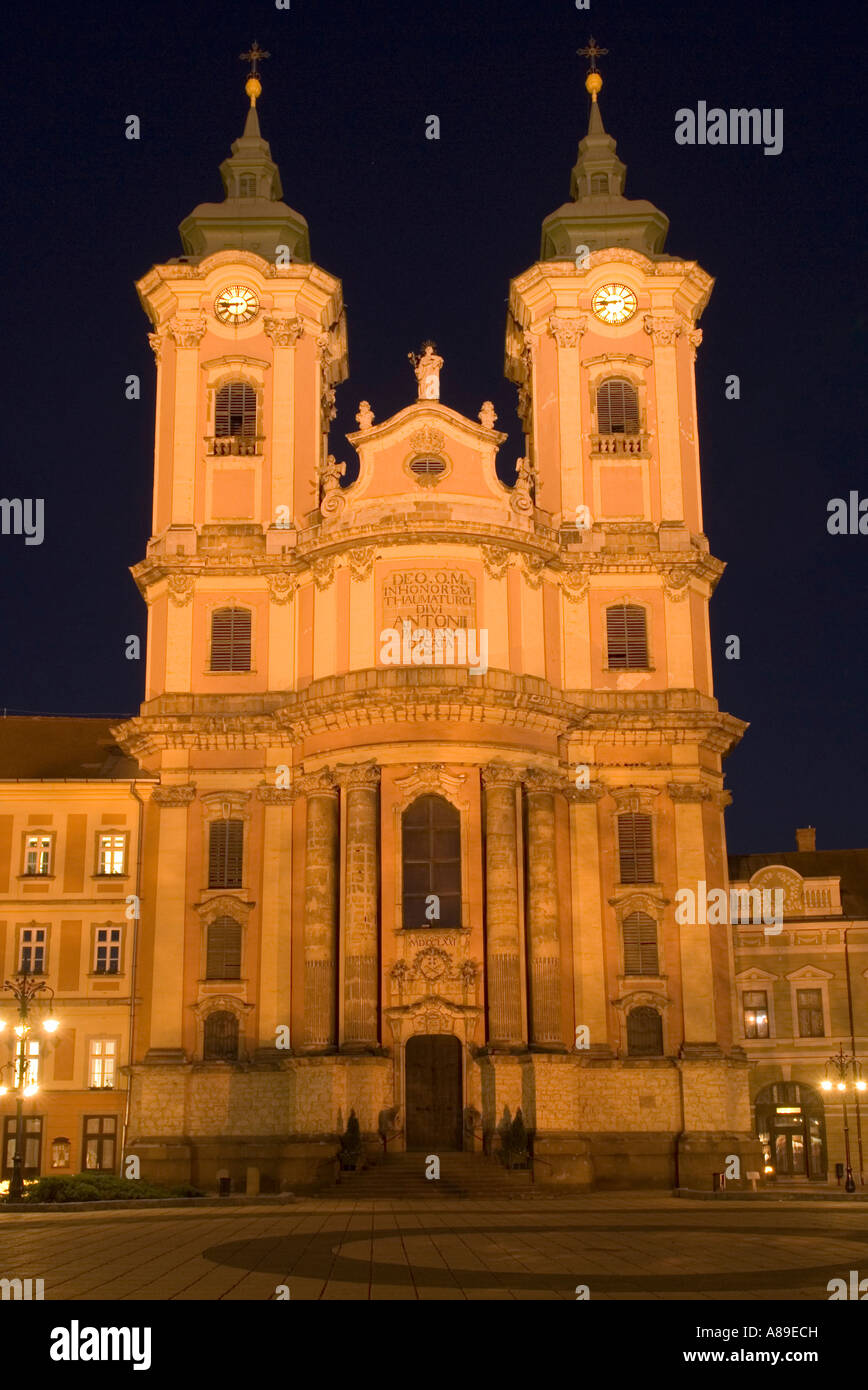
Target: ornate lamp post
{"points": [[24, 987], [843, 1073]]}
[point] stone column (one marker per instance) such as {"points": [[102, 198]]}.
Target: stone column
{"points": [[543, 912], [321, 875], [589, 961], [503, 942], [168, 907], [361, 907]]}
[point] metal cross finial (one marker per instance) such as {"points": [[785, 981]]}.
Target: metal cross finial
{"points": [[593, 52], [254, 56]]}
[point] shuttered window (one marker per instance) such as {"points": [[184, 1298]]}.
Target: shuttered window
{"points": [[221, 1037], [427, 467], [599, 183], [640, 945], [626, 637], [224, 949], [230, 639], [431, 854], [617, 407], [634, 848], [644, 1032], [225, 853], [235, 411]]}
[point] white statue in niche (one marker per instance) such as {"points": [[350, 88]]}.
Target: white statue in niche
{"points": [[427, 369]]}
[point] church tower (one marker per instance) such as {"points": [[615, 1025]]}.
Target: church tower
{"points": [[435, 754]]}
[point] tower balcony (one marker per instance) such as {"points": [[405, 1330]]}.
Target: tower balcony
{"points": [[619, 444], [239, 445]]}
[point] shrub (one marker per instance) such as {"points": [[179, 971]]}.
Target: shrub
{"points": [[103, 1187]]}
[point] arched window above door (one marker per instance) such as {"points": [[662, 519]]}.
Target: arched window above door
{"points": [[431, 863]]}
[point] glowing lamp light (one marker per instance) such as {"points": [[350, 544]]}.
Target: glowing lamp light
{"points": [[4, 1090], [841, 1086], [2, 1025], [768, 1168], [51, 1025], [861, 1085], [30, 1090], [20, 1030], [825, 1085]]}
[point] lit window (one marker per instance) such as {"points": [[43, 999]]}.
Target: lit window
{"points": [[60, 1153], [107, 950], [102, 1063], [112, 854], [755, 1003], [99, 1142], [37, 858], [33, 950], [30, 1061]]}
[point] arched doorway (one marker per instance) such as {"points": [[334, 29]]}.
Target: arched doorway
{"points": [[433, 1106], [790, 1123]]}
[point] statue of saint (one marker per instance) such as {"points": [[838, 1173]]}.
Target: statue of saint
{"points": [[487, 416], [365, 416], [427, 369]]}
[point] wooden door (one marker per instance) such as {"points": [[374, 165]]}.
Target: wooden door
{"points": [[433, 1092]]}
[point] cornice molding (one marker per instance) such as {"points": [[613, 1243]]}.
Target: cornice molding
{"points": [[173, 796]]}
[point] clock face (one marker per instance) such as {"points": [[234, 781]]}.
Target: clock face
{"points": [[614, 303], [236, 304]]}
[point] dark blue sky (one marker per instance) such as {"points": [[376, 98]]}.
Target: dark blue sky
{"points": [[426, 236]]}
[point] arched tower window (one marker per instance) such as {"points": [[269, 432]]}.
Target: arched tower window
{"points": [[644, 1032], [640, 944], [223, 956], [431, 855], [221, 1037], [235, 411], [635, 857], [247, 186], [626, 637], [230, 639], [599, 183], [617, 407]]}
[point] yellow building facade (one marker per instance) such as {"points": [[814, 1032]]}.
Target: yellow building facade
{"points": [[424, 758]]}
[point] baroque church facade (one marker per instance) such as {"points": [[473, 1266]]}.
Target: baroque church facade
{"points": [[423, 759]]}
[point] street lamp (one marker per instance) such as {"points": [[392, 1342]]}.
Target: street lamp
{"points": [[25, 988], [840, 1068]]}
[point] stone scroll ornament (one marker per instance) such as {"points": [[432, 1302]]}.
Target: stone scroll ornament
{"points": [[332, 502], [523, 491]]}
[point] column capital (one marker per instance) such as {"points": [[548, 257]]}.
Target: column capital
{"points": [[276, 796], [585, 796], [320, 783], [689, 791], [187, 329], [500, 774], [541, 779], [567, 333], [354, 775], [283, 332]]}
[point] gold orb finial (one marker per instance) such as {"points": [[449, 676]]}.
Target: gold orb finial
{"points": [[593, 84], [253, 56], [593, 81], [253, 88]]}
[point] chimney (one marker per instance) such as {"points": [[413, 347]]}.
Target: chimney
{"points": [[806, 840]]}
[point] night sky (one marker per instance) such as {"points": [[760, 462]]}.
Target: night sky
{"points": [[425, 236]]}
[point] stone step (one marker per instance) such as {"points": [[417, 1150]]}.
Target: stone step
{"points": [[461, 1174]]}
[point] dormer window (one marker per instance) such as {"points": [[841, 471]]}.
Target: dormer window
{"points": [[426, 467]]}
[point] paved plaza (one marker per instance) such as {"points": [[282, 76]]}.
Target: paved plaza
{"points": [[622, 1246]]}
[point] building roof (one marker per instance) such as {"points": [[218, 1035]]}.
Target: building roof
{"points": [[850, 865], [54, 747]]}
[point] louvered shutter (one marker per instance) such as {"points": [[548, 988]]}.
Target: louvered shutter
{"points": [[640, 945], [230, 639], [224, 950], [634, 848], [626, 637], [225, 853], [235, 411], [617, 408]]}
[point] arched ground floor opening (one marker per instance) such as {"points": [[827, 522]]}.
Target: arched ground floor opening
{"points": [[791, 1125]]}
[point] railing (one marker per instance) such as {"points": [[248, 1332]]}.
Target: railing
{"points": [[619, 444], [238, 444]]}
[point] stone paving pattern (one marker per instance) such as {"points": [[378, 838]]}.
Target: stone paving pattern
{"points": [[623, 1246]]}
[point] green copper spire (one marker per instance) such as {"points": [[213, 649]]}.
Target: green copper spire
{"points": [[599, 215], [252, 217]]}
